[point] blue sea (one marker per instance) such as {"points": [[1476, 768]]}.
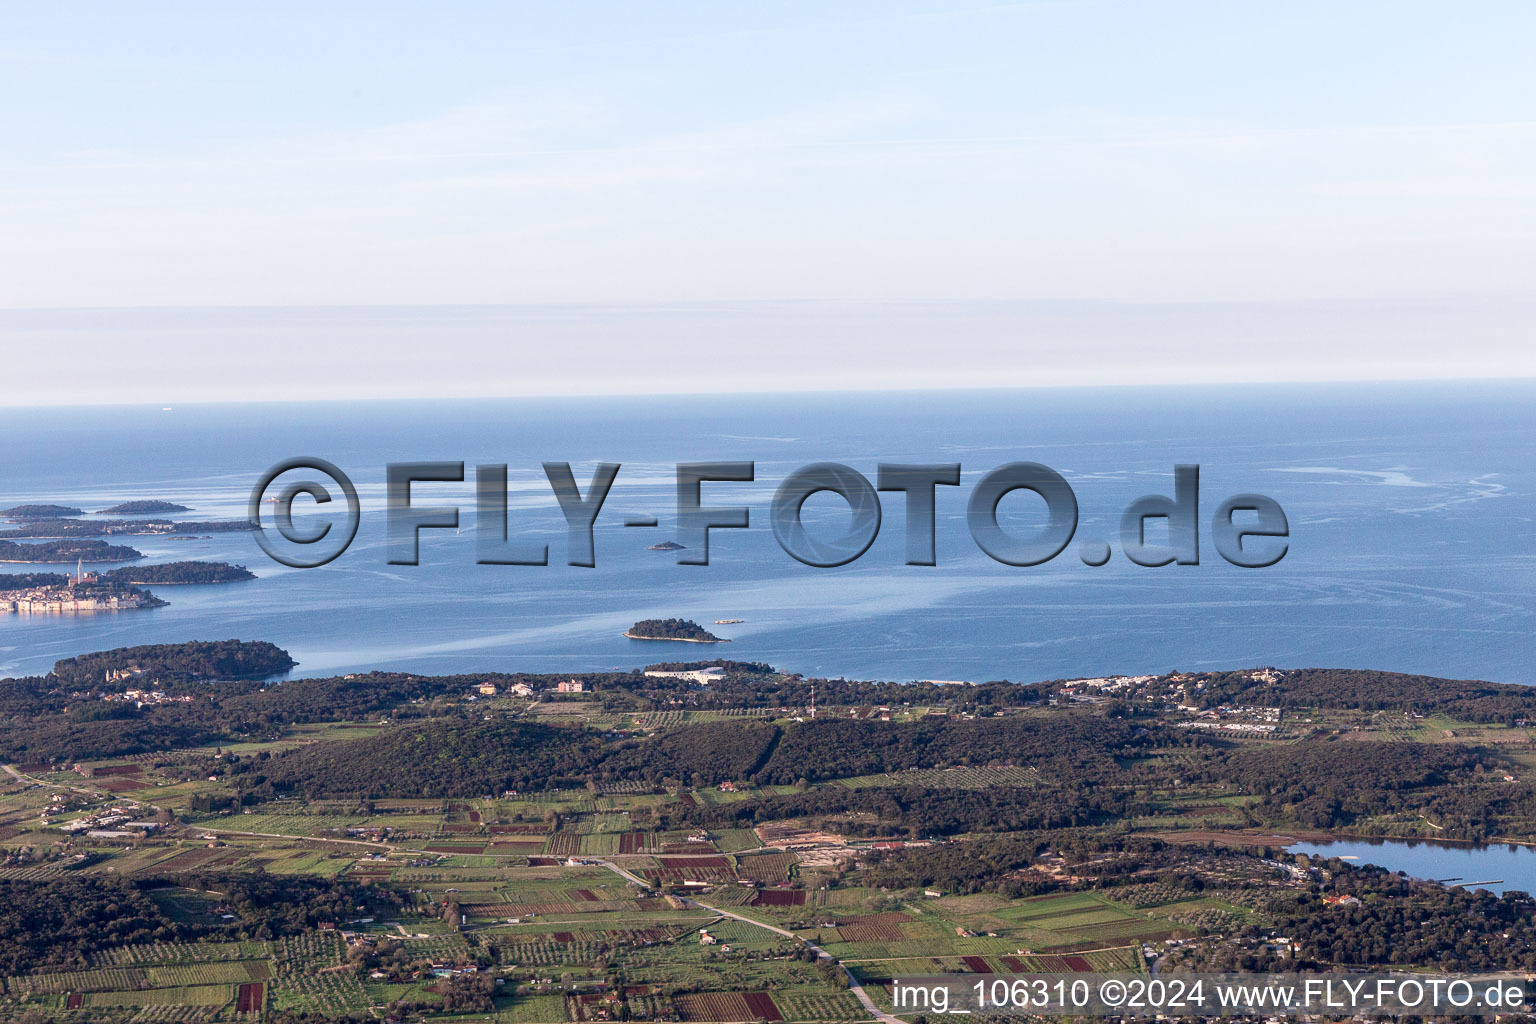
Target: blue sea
{"points": [[1410, 507]]}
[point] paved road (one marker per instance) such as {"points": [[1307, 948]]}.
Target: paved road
{"points": [[203, 828], [51, 785], [626, 875], [283, 835]]}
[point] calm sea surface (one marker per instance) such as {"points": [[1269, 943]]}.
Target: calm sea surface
{"points": [[1498, 867], [1411, 509]]}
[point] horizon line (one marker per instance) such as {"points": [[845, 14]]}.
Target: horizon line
{"points": [[1063, 387]]}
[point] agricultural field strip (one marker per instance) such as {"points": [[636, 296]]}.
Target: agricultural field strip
{"points": [[189, 995]]}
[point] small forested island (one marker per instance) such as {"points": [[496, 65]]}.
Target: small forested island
{"points": [[195, 659], [673, 629], [143, 508], [40, 511], [169, 573], [667, 545], [217, 526], [67, 551], [57, 529]]}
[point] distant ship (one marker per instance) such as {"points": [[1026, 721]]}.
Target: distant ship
{"points": [[666, 545], [727, 622]]}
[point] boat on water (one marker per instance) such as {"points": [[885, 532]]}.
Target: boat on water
{"points": [[727, 622]]}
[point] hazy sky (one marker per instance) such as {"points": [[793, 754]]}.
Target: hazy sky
{"points": [[768, 195]]}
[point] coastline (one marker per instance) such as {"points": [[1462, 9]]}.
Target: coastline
{"points": [[677, 639], [1264, 838], [13, 561], [186, 583]]}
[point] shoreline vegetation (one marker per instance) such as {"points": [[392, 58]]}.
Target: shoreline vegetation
{"points": [[40, 521], [61, 551], [20, 512], [58, 529], [142, 508], [159, 573], [1290, 837], [192, 660], [680, 630], [173, 574]]}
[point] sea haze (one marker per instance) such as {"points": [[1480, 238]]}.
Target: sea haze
{"points": [[1410, 509]]}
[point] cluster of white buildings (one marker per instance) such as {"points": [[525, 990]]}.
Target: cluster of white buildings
{"points": [[698, 676], [524, 690], [514, 690], [1253, 720], [43, 600], [148, 697], [113, 823]]}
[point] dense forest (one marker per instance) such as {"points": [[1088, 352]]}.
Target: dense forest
{"points": [[196, 659], [66, 551], [921, 811], [56, 923], [179, 572], [747, 685], [469, 759], [40, 511], [839, 748], [103, 730], [439, 758], [48, 529], [739, 668], [489, 757], [1398, 921], [988, 864], [40, 721], [1372, 691], [143, 508], [462, 759], [704, 754], [672, 629], [27, 580], [1325, 784]]}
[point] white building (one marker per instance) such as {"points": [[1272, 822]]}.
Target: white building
{"points": [[701, 676]]}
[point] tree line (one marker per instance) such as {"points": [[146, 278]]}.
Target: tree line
{"points": [[197, 659], [54, 924]]}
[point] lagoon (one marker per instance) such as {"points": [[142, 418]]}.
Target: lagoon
{"points": [[1502, 866]]}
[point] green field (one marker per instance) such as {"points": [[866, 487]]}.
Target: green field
{"points": [[493, 888]]}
